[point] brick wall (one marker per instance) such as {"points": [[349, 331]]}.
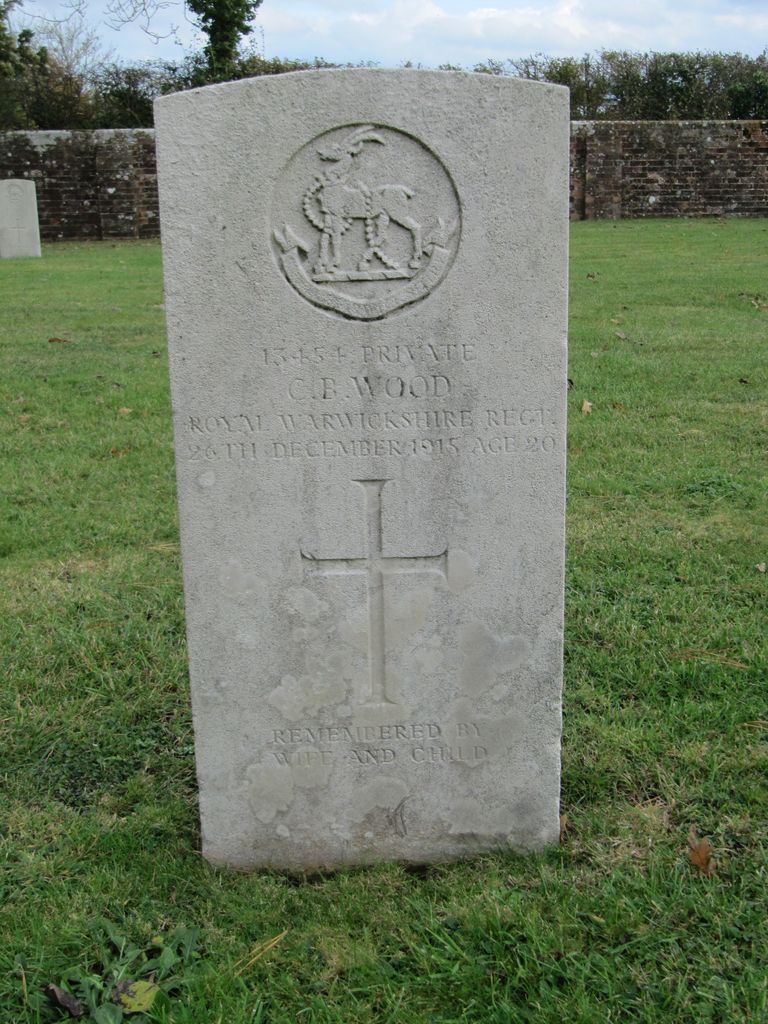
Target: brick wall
{"points": [[102, 184], [669, 169]]}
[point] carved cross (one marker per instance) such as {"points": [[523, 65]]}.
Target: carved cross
{"points": [[375, 566]]}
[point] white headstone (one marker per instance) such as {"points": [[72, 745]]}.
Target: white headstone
{"points": [[19, 230], [366, 297]]}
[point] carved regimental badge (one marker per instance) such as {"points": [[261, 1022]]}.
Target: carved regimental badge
{"points": [[366, 220]]}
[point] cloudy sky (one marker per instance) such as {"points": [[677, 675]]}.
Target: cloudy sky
{"points": [[463, 32]]}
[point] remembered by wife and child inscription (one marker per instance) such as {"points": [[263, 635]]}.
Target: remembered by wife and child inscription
{"points": [[366, 299]]}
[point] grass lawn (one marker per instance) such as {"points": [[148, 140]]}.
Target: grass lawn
{"points": [[666, 667]]}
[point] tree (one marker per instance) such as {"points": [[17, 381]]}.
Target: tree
{"points": [[224, 22], [21, 69], [74, 45]]}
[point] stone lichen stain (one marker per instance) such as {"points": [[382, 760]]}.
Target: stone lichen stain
{"points": [[378, 809], [486, 656], [237, 582], [325, 680], [299, 696], [270, 790], [304, 602], [271, 785], [406, 615]]}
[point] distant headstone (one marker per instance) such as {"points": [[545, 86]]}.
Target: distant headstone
{"points": [[19, 230], [366, 297]]}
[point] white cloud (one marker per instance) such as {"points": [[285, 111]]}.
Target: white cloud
{"points": [[457, 31], [432, 32]]}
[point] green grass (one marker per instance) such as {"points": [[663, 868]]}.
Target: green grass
{"points": [[666, 666]]}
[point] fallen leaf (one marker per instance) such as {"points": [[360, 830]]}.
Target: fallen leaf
{"points": [[591, 277], [563, 827], [621, 335], [118, 453], [58, 341], [616, 320], [594, 353], [25, 417], [135, 996], [700, 853], [124, 410], [757, 300], [619, 406], [586, 407], [743, 380], [64, 1000], [155, 354], [760, 566]]}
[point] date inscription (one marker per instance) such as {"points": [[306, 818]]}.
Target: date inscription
{"points": [[389, 433]]}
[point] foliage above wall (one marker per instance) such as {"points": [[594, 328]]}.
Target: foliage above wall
{"points": [[38, 90], [622, 86]]}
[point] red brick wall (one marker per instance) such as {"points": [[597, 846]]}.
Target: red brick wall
{"points": [[103, 184], [100, 184], [669, 169]]}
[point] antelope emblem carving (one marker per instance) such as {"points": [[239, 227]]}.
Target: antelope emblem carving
{"points": [[333, 202]]}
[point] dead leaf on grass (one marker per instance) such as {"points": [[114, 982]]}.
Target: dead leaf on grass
{"points": [[117, 453], [618, 406], [586, 407], [700, 853], [64, 1000], [135, 996], [59, 341], [124, 410], [591, 277], [621, 335], [760, 566], [758, 301], [563, 827], [743, 380]]}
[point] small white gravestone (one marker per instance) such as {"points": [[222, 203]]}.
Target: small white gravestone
{"points": [[19, 230], [366, 296]]}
